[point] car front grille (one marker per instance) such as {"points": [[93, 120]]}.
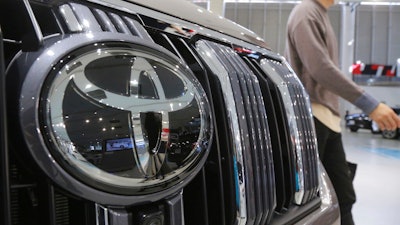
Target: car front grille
{"points": [[263, 163]]}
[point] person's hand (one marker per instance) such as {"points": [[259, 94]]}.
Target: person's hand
{"points": [[385, 117]]}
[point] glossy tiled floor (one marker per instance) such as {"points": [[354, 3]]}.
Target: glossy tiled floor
{"points": [[377, 180]]}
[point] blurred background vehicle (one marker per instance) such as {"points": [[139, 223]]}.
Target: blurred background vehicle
{"points": [[356, 121]]}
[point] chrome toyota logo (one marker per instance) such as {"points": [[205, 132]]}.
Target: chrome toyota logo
{"points": [[126, 117]]}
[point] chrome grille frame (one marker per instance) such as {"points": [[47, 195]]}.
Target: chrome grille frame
{"points": [[303, 128], [252, 141]]}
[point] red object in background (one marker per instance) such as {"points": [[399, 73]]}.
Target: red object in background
{"points": [[391, 72], [374, 69], [356, 68]]}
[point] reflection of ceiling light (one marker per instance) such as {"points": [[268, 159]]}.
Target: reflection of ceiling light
{"points": [[86, 23], [380, 3], [262, 1], [134, 82], [297, 2], [50, 53]]}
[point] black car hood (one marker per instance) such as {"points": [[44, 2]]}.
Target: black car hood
{"points": [[190, 12]]}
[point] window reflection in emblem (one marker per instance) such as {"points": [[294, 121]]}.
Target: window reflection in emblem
{"points": [[126, 117]]}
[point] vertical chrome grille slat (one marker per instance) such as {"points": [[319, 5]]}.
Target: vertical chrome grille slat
{"points": [[209, 56], [310, 140], [86, 18], [137, 29], [305, 124], [262, 142], [301, 142], [282, 152], [289, 115], [81, 18], [105, 21], [257, 157], [120, 24], [248, 131], [70, 19]]}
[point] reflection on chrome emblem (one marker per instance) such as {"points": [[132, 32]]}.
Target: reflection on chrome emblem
{"points": [[127, 117], [149, 160]]}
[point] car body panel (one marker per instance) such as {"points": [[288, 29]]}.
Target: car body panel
{"points": [[247, 172], [200, 16]]}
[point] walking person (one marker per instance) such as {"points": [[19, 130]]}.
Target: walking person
{"points": [[312, 51]]}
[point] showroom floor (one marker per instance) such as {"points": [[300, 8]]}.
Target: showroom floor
{"points": [[377, 180]]}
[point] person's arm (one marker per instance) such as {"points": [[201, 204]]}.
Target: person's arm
{"points": [[315, 57]]}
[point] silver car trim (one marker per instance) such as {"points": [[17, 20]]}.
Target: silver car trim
{"points": [[85, 16], [108, 25], [239, 35], [209, 56], [121, 24], [176, 209], [70, 18], [282, 85]]}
